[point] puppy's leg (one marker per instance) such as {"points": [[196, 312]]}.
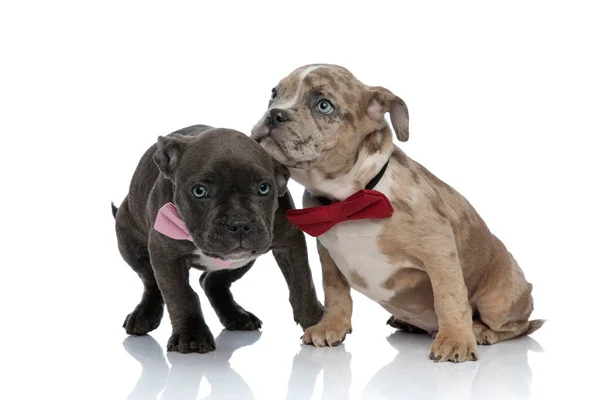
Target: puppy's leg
{"points": [[190, 332], [133, 247], [336, 321], [293, 263], [503, 301], [289, 250], [216, 285], [455, 340]]}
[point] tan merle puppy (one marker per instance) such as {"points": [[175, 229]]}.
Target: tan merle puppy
{"points": [[434, 264]]}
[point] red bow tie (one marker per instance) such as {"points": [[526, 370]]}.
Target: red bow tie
{"points": [[364, 204]]}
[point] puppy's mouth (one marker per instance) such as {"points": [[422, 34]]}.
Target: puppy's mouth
{"points": [[264, 135], [273, 144], [270, 144], [260, 131]]}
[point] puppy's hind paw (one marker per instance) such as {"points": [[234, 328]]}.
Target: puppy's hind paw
{"points": [[404, 326], [241, 320]]}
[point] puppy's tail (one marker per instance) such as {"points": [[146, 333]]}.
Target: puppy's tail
{"points": [[534, 326], [114, 209]]}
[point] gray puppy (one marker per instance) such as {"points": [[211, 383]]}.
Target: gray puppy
{"points": [[232, 198]]}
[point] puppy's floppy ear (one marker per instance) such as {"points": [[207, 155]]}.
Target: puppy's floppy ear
{"points": [[282, 175], [168, 154], [382, 101]]}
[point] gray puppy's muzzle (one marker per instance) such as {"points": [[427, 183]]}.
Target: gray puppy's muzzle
{"points": [[240, 233]]}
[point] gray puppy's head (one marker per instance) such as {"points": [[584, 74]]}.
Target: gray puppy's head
{"points": [[225, 189]]}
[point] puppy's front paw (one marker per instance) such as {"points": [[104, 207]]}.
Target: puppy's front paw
{"points": [[454, 346], [328, 332], [192, 341], [240, 320], [145, 318]]}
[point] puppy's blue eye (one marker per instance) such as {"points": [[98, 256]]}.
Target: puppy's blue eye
{"points": [[273, 94], [264, 189], [325, 107], [199, 192]]}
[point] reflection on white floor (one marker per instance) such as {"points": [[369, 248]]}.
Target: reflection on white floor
{"points": [[462, 381], [183, 379], [503, 371]]}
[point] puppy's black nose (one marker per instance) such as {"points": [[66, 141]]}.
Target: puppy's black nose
{"points": [[238, 225], [277, 116]]}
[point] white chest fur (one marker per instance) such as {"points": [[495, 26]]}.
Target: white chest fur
{"points": [[210, 263], [353, 247]]}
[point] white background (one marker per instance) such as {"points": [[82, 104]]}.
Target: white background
{"points": [[503, 102]]}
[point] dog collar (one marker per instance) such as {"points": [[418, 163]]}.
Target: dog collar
{"points": [[364, 204], [169, 223], [372, 183]]}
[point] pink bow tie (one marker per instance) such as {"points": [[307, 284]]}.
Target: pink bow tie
{"points": [[169, 223]]}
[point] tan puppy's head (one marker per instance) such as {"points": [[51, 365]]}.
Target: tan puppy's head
{"points": [[320, 116]]}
